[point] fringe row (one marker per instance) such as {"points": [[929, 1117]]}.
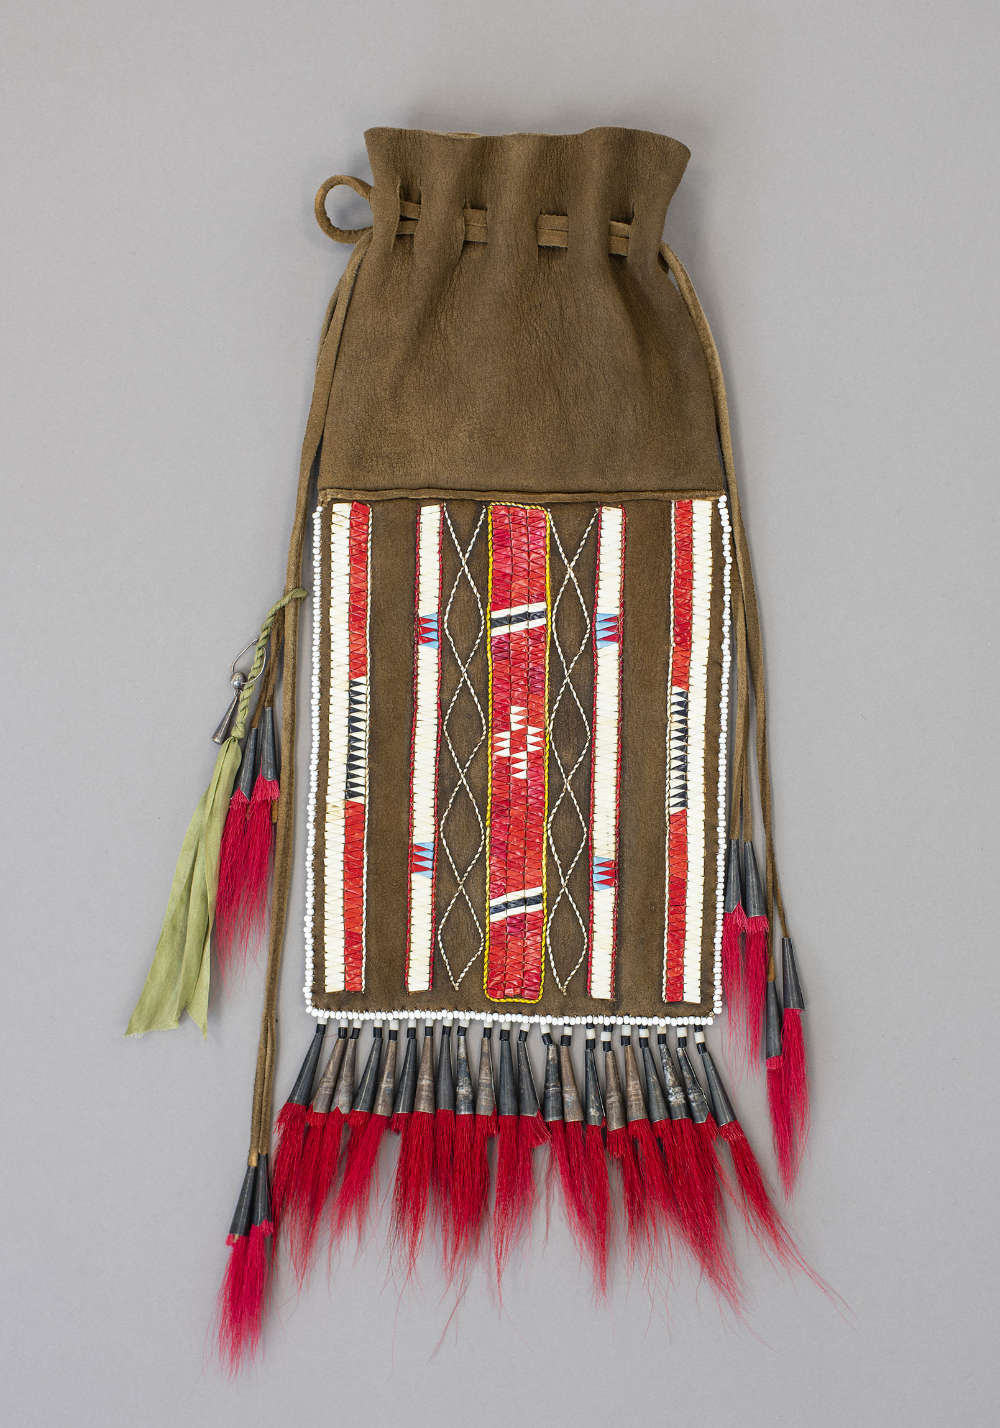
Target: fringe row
{"points": [[650, 1139]]}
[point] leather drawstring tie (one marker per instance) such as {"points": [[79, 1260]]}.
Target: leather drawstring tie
{"points": [[749, 646], [286, 634]]}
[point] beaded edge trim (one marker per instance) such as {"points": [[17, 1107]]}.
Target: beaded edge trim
{"points": [[403, 1014], [310, 907], [346, 812]]}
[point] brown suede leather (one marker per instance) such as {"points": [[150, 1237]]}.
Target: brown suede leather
{"points": [[479, 358], [507, 365]]}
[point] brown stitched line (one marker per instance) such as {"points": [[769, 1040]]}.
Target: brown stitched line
{"points": [[748, 591], [536, 498], [263, 1094]]}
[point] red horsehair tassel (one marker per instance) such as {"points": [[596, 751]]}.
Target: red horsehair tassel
{"points": [[759, 1211], [793, 1050], [241, 1298], [531, 1130], [755, 956], [478, 1193], [520, 1129], [366, 1122], [318, 1166], [660, 1206], [716, 1257], [777, 1092], [621, 1150], [466, 1202], [552, 1115], [291, 1129], [695, 1191], [416, 1159], [595, 1166], [259, 837], [444, 1142], [232, 857], [734, 926], [573, 1137]]}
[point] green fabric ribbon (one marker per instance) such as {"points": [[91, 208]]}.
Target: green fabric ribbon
{"points": [[178, 979]]}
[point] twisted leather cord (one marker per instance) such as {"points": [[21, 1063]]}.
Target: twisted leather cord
{"points": [[333, 326], [747, 592]]}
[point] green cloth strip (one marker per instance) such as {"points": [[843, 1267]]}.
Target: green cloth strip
{"points": [[178, 979]]}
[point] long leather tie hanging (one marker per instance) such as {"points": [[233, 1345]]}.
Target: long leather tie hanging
{"points": [[538, 747]]}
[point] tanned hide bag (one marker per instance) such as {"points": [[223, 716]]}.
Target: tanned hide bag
{"points": [[536, 684]]}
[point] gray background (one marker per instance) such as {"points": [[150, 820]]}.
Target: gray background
{"points": [[164, 283]]}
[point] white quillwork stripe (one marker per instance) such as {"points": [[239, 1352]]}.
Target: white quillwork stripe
{"points": [[339, 517], [701, 632], [606, 763], [310, 912], [424, 757], [720, 855]]}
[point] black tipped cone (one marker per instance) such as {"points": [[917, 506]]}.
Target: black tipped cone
{"points": [[592, 1098], [772, 1023], [676, 1100], [486, 1101], [527, 1096], [444, 1087], [343, 1098], [248, 765], [268, 747], [722, 1107], [364, 1096], [465, 1094], [262, 1195], [302, 1091], [696, 1098], [754, 902], [406, 1087], [552, 1089], [734, 880], [243, 1214], [791, 988], [658, 1110]]}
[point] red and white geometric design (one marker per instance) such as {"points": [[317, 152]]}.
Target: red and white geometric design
{"points": [[345, 824], [690, 632], [518, 751]]}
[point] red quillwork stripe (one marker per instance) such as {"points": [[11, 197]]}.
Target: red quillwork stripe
{"points": [[680, 639], [519, 637], [682, 572], [357, 612], [355, 810]]}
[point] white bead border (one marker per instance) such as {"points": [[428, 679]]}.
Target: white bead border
{"points": [[323, 1014], [598, 1017]]}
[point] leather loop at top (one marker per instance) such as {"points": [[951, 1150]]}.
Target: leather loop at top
{"points": [[362, 189]]}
